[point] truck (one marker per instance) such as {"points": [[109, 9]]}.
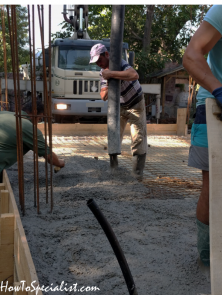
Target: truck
{"points": [[75, 82]]}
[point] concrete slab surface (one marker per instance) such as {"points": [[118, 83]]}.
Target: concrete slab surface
{"points": [[166, 162], [154, 220]]}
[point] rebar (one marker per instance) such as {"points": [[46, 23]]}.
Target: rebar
{"points": [[41, 25], [15, 66], [50, 110], [5, 57], [36, 202], [15, 91], [34, 111], [12, 25]]}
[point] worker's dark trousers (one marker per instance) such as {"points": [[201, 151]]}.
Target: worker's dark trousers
{"points": [[1, 177]]}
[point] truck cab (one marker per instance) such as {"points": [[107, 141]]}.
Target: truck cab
{"points": [[75, 82]]}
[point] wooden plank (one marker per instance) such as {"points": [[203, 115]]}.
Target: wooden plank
{"points": [[216, 110], [7, 249], [101, 129], [181, 121], [7, 229], [4, 201], [2, 186], [18, 288], [214, 133], [25, 269]]}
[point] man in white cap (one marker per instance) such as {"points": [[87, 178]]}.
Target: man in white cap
{"points": [[132, 104]]}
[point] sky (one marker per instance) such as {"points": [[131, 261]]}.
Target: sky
{"points": [[56, 19]]}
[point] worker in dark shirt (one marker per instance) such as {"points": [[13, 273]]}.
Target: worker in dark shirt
{"points": [[8, 143]]}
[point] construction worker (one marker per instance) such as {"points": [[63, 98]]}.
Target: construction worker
{"points": [[132, 104], [206, 40], [8, 144]]}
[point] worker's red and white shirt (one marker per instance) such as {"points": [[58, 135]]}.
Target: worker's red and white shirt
{"points": [[131, 91]]}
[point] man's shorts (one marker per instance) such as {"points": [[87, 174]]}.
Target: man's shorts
{"points": [[198, 154]]}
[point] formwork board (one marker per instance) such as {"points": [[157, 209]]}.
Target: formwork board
{"points": [[101, 129], [16, 263], [214, 132]]}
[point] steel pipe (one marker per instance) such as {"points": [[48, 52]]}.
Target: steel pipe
{"points": [[113, 113]]}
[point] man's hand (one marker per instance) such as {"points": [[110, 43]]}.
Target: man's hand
{"points": [[61, 163], [55, 160], [107, 74], [104, 93], [217, 93]]}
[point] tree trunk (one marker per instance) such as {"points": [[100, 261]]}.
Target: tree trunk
{"points": [[147, 30]]}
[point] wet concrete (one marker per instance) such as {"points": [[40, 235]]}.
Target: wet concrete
{"points": [[157, 235]]}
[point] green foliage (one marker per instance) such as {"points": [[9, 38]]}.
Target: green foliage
{"points": [[148, 63], [63, 34], [22, 36]]}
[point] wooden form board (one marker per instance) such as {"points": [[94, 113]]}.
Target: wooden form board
{"points": [[15, 258], [214, 133], [181, 121], [101, 129]]}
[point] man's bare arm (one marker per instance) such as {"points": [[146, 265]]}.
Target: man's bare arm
{"points": [[104, 93], [127, 75], [194, 62], [55, 160]]}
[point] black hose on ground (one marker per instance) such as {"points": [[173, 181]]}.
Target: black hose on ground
{"points": [[115, 245]]}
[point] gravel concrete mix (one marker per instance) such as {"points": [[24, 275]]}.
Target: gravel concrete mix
{"points": [[158, 236]]}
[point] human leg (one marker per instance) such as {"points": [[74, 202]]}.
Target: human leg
{"points": [[203, 202], [123, 122], [203, 239], [137, 120]]}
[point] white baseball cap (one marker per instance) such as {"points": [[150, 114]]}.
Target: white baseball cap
{"points": [[95, 52]]}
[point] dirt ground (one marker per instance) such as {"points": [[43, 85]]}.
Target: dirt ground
{"points": [[157, 235]]}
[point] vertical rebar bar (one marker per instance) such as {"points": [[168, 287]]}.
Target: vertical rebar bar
{"points": [[50, 110], [35, 120], [14, 82], [5, 56], [35, 152], [18, 107], [41, 24]]}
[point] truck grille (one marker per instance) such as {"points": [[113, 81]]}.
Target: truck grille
{"points": [[85, 86]]}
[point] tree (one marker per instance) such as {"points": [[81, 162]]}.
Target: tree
{"points": [[22, 38]]}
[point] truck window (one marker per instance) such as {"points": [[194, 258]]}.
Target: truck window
{"points": [[77, 58]]}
